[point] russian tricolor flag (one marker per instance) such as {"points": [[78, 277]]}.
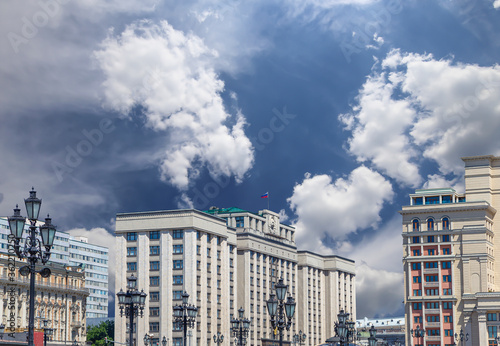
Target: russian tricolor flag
{"points": [[266, 195]]}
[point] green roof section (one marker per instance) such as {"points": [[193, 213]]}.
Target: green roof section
{"points": [[215, 210]]}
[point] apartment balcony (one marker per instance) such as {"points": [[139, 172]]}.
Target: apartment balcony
{"points": [[431, 284], [433, 324], [433, 338], [76, 324], [431, 270], [432, 311]]}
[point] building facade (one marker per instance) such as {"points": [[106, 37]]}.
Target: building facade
{"points": [[76, 252], [450, 261], [226, 259], [60, 300]]}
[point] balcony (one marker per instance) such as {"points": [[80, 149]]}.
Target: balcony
{"points": [[433, 324], [76, 324], [433, 338], [432, 311], [431, 270], [431, 284]]}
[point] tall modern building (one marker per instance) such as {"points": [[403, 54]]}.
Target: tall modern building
{"points": [[226, 259], [450, 259], [76, 252]]}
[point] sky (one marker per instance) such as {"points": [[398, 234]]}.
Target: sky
{"points": [[339, 109]]}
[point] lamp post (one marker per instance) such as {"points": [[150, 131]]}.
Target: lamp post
{"points": [[164, 341], [147, 339], [218, 338], [281, 311], [185, 315], [372, 340], [344, 329], [46, 332], [299, 338], [32, 250], [240, 327], [461, 337], [417, 332], [131, 304]]}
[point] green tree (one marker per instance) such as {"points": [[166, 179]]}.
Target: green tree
{"points": [[97, 334]]}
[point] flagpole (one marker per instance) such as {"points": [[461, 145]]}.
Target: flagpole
{"points": [[268, 198]]}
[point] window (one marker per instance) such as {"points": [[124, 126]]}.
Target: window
{"points": [[154, 265], [446, 278], [131, 266], [447, 291], [432, 200], [430, 239], [431, 278], [131, 236], [154, 235], [432, 305], [492, 332], [178, 248], [433, 332], [417, 292], [177, 295], [431, 252], [416, 266], [416, 240], [178, 234], [446, 224], [447, 305], [178, 264], [417, 319], [491, 316], [430, 264], [430, 224], [154, 281], [417, 279], [417, 306], [132, 251], [240, 221], [154, 311], [446, 250], [416, 252], [461, 199], [448, 319], [154, 296], [446, 199], [445, 238], [178, 279], [416, 225], [418, 200], [446, 265], [154, 326], [432, 292], [433, 318], [154, 250]]}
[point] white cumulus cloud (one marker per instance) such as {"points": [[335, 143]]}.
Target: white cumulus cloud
{"points": [[335, 209], [415, 107], [170, 74]]}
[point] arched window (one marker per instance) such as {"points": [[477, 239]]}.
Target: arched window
{"points": [[446, 224], [416, 225], [430, 224]]}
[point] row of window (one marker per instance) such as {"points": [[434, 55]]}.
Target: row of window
{"points": [[444, 199], [433, 305], [176, 234], [445, 238], [431, 225], [431, 252], [434, 318], [432, 292]]}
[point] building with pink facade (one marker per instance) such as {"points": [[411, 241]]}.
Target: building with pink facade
{"points": [[450, 260]]}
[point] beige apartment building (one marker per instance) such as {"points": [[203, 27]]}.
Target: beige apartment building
{"points": [[226, 258], [452, 275]]}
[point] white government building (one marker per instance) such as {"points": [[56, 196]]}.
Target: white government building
{"points": [[226, 259]]}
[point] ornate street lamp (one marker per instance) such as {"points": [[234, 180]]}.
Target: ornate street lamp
{"points": [[461, 337], [185, 315], [218, 338], [281, 311], [372, 340], [46, 332], [240, 327], [299, 338], [147, 339], [131, 304], [344, 329], [164, 341], [32, 250], [417, 332]]}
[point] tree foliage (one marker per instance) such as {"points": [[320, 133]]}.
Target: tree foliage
{"points": [[97, 334]]}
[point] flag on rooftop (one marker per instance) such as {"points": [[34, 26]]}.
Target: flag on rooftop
{"points": [[266, 195]]}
